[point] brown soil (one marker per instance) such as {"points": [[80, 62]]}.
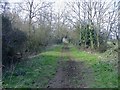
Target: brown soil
{"points": [[71, 74]]}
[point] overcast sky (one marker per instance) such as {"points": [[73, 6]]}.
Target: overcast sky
{"points": [[60, 3]]}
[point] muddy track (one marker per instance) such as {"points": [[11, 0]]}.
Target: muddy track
{"points": [[71, 74]]}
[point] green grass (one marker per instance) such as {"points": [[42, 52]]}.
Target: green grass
{"points": [[84, 56], [104, 66], [36, 71]]}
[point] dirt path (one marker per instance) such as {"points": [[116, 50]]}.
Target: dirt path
{"points": [[71, 74]]}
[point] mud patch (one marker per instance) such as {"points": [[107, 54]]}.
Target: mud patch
{"points": [[71, 74]]}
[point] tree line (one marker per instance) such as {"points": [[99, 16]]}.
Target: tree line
{"points": [[29, 27]]}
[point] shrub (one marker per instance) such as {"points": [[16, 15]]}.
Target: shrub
{"points": [[12, 42]]}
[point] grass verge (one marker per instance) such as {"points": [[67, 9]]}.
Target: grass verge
{"points": [[104, 66], [34, 72]]}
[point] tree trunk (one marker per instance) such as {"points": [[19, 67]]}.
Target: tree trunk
{"points": [[91, 41]]}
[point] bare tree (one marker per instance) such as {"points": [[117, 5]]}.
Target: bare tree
{"points": [[32, 9]]}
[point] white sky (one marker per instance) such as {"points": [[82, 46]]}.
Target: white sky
{"points": [[60, 3]]}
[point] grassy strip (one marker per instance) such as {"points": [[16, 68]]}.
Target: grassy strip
{"points": [[35, 72], [105, 72]]}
